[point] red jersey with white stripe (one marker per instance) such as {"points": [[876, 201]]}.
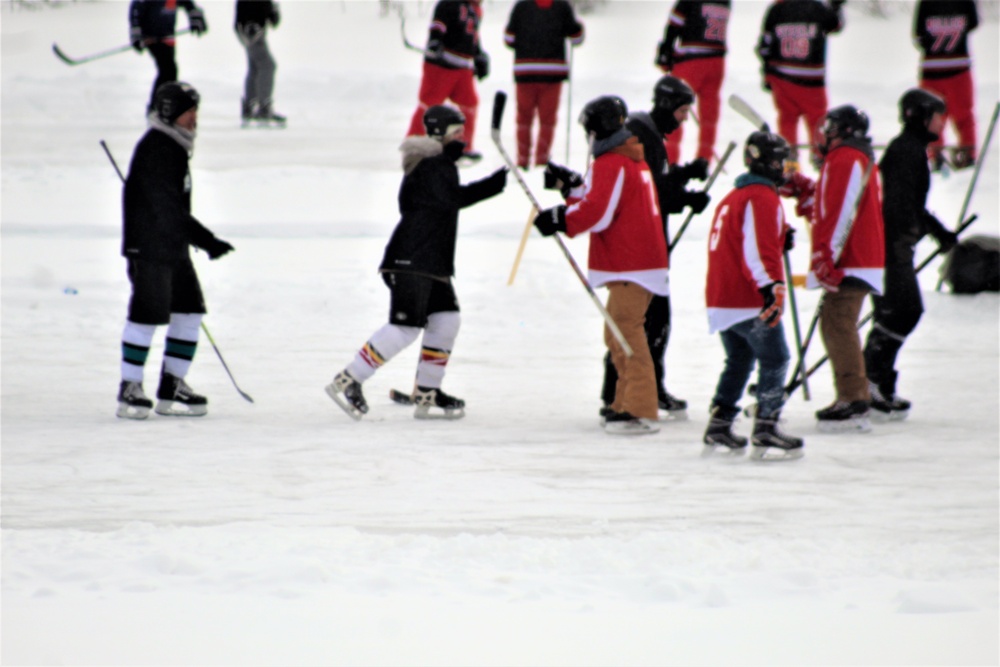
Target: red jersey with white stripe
{"points": [[941, 30], [793, 40], [617, 204], [858, 249], [745, 250]]}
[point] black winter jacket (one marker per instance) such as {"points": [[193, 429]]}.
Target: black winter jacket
{"points": [[430, 197], [157, 221], [157, 18], [906, 180]]}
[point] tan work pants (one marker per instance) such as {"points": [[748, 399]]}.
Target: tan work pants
{"points": [[635, 392], [838, 324]]}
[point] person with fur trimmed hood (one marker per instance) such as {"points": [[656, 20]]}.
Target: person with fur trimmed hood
{"points": [[616, 203], [418, 266]]}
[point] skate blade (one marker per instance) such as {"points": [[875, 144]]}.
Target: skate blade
{"points": [[675, 415], [879, 417], [644, 427], [768, 454], [178, 409], [126, 411], [425, 412], [853, 425], [339, 399], [719, 451]]}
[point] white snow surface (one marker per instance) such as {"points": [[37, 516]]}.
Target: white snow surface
{"points": [[281, 532]]}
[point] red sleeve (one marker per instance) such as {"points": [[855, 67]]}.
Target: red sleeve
{"points": [[603, 189]]}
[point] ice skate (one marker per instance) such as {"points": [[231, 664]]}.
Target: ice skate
{"points": [[885, 409], [676, 408], [770, 444], [248, 110], [346, 392], [624, 423], [177, 399], [719, 438], [266, 116], [844, 417], [432, 403], [132, 401]]}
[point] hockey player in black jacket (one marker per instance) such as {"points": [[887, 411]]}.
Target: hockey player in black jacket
{"points": [[418, 265], [158, 230], [152, 25], [905, 183], [672, 100]]}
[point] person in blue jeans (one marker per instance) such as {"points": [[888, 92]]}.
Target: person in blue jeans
{"points": [[745, 294]]}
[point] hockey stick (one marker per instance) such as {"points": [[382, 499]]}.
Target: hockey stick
{"points": [[402, 29], [975, 175], [795, 321], [499, 101], [711, 179], [569, 101], [104, 54], [524, 241], [114, 163], [743, 108], [792, 386]]}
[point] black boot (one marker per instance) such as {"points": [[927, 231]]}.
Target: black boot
{"points": [[132, 401], [346, 392], [886, 406], [432, 403], [267, 114], [770, 444], [248, 111], [176, 398], [719, 433]]}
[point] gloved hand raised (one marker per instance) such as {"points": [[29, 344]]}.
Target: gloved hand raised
{"points": [[697, 170], [826, 272], [496, 182], [774, 303], [803, 189], [196, 21], [561, 178], [136, 39], [551, 220]]}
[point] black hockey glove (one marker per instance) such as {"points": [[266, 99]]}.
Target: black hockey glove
{"points": [[697, 170], [196, 21], [789, 240], [482, 65], [275, 17], [216, 248], [697, 201], [664, 57], [561, 178], [947, 240], [435, 49], [551, 220], [496, 182], [774, 303]]}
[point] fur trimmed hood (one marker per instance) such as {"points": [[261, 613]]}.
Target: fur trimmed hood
{"points": [[416, 148]]}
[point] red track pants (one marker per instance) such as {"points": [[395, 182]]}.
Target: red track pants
{"points": [[440, 84]]}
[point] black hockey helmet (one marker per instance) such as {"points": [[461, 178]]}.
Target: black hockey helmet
{"points": [[604, 116], [918, 106], [845, 122], [765, 154], [671, 93], [174, 98], [440, 120]]}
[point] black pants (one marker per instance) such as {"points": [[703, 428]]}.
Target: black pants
{"points": [[166, 66], [897, 313], [657, 334]]}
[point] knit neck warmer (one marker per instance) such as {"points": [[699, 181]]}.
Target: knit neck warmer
{"points": [[183, 137]]}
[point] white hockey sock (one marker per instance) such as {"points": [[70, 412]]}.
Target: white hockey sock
{"points": [[136, 340], [383, 345], [439, 339], [182, 341]]}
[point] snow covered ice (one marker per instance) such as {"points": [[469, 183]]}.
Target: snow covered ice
{"points": [[282, 532]]}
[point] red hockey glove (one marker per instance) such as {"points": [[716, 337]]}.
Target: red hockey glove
{"points": [[803, 189], [774, 304], [826, 272]]}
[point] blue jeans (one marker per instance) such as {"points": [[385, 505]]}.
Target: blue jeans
{"points": [[745, 343]]}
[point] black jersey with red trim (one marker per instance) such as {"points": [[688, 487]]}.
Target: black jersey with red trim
{"points": [[455, 25], [941, 30], [697, 29], [792, 43], [537, 30]]}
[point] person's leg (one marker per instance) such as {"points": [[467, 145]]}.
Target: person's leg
{"points": [[714, 70], [464, 94], [164, 55], [526, 103], [548, 111], [636, 390], [838, 327], [435, 85]]}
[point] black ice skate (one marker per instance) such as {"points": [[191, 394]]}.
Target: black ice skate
{"points": [[346, 392], [885, 409], [266, 115], [432, 403], [625, 423], [177, 399], [676, 408], [132, 401], [844, 417], [719, 438], [248, 111], [770, 444]]}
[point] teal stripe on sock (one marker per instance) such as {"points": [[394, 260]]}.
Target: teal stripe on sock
{"points": [[181, 349], [134, 355]]}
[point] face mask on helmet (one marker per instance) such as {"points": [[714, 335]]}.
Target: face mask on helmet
{"points": [[765, 154], [845, 122]]}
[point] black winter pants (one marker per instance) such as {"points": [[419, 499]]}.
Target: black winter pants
{"points": [[897, 313]]}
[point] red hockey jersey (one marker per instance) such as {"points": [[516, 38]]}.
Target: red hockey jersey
{"points": [[744, 252], [858, 249], [618, 207]]}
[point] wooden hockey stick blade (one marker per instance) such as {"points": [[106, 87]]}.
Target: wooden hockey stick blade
{"points": [[524, 241], [743, 108]]}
